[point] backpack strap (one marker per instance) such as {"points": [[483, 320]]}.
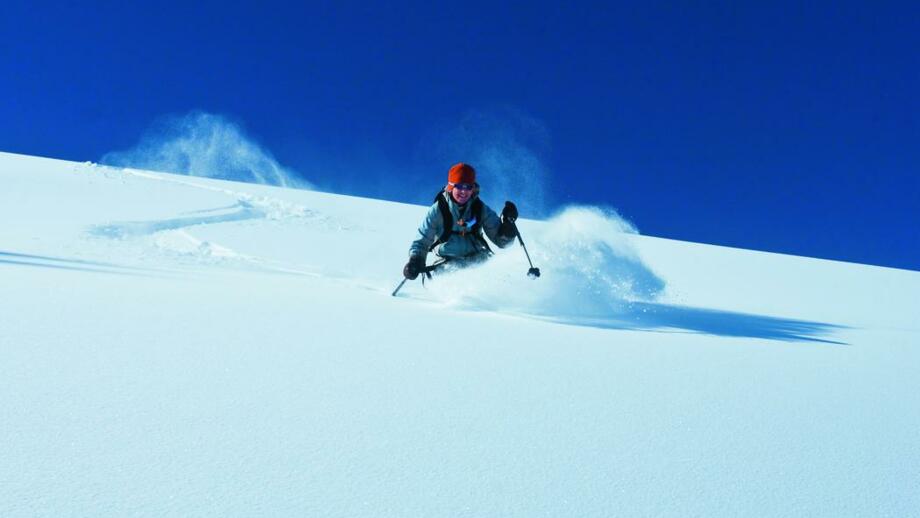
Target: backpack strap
{"points": [[447, 218], [476, 211]]}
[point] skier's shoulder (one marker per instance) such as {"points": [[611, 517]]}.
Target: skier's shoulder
{"points": [[444, 205], [436, 204], [434, 215]]}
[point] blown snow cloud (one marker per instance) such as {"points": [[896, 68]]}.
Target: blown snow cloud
{"points": [[207, 145], [506, 146]]}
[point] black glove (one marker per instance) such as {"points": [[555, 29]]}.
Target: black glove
{"points": [[507, 229], [509, 213], [414, 267]]}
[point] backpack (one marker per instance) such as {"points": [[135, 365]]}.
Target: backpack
{"points": [[448, 219]]}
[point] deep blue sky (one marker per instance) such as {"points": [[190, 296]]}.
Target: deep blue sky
{"points": [[771, 125]]}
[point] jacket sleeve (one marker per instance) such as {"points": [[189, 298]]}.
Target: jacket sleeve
{"points": [[491, 222], [428, 232]]}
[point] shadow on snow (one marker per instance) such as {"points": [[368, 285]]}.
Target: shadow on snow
{"points": [[646, 316], [58, 263]]}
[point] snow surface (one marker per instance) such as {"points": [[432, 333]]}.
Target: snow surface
{"points": [[179, 346]]}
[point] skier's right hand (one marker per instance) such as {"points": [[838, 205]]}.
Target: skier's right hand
{"points": [[414, 267]]}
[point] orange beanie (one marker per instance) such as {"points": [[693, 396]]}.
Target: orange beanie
{"points": [[461, 173]]}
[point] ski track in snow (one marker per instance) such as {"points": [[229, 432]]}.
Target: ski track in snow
{"points": [[174, 237]]}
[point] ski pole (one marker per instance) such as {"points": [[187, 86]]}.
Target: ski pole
{"points": [[532, 272], [425, 272], [400, 286]]}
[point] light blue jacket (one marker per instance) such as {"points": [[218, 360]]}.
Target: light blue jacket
{"points": [[458, 245]]}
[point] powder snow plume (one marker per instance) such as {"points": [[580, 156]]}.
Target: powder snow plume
{"points": [[506, 147], [208, 145], [589, 269]]}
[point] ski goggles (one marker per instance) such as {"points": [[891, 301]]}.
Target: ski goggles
{"points": [[463, 186]]}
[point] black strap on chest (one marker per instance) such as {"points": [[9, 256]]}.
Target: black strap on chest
{"points": [[448, 218]]}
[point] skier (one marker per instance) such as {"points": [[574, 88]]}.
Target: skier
{"points": [[455, 223]]}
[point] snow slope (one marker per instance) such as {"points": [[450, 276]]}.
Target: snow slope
{"points": [[178, 346]]}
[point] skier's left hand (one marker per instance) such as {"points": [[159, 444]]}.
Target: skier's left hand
{"points": [[510, 212]]}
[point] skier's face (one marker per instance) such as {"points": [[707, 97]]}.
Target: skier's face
{"points": [[460, 195]]}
